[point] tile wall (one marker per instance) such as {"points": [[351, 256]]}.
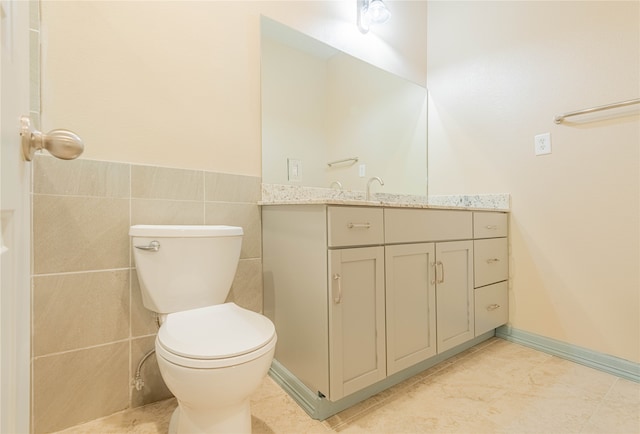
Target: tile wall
{"points": [[89, 327]]}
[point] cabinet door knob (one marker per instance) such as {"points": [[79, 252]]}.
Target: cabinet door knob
{"points": [[338, 299], [492, 260], [491, 227], [493, 307]]}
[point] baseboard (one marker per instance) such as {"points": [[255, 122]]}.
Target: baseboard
{"points": [[320, 408], [603, 362]]}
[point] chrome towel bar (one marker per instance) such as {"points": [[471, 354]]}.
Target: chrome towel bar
{"points": [[561, 118], [345, 160]]}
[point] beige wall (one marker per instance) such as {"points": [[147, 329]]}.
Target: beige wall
{"points": [[498, 72], [178, 83]]}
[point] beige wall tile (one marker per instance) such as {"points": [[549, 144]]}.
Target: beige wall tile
{"points": [[80, 177], [154, 387], [166, 212], [223, 187], [150, 182], [72, 311], [79, 233], [239, 214], [143, 321], [82, 212], [246, 290], [79, 386]]}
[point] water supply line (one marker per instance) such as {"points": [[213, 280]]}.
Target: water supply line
{"points": [[138, 382]]}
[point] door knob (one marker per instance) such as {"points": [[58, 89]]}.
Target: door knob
{"points": [[63, 144]]}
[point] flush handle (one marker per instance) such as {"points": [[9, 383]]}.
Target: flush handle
{"points": [[153, 246]]}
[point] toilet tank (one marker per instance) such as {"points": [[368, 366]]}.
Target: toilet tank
{"points": [[193, 266]]}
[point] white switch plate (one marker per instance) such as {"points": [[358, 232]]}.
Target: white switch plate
{"points": [[294, 168], [362, 170], [542, 144]]}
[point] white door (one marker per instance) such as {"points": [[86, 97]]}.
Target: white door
{"points": [[15, 220]]}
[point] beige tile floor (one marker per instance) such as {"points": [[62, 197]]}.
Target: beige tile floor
{"points": [[495, 387]]}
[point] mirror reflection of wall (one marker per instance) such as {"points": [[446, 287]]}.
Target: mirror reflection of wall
{"points": [[321, 105]]}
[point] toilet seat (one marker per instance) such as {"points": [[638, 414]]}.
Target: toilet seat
{"points": [[215, 336]]}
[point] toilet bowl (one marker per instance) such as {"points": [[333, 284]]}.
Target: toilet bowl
{"points": [[212, 355], [213, 359]]}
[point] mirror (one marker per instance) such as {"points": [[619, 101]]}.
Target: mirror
{"points": [[327, 116]]}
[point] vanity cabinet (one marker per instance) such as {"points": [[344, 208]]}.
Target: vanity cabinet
{"points": [[359, 294]]}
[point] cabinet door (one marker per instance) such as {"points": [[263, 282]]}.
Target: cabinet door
{"points": [[356, 320], [454, 292], [411, 301]]}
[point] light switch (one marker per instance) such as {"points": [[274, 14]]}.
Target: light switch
{"points": [[294, 169]]}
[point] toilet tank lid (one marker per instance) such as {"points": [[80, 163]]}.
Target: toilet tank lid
{"points": [[184, 231]]}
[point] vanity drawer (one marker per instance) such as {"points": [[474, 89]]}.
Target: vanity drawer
{"points": [[491, 261], [355, 226], [420, 225], [489, 224], [491, 307]]}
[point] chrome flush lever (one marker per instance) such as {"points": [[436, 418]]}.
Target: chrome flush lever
{"points": [[153, 246]]}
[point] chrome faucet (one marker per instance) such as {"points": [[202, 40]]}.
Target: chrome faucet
{"points": [[336, 183], [375, 178]]}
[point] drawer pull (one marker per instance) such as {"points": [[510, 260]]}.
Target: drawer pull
{"points": [[338, 299], [351, 225], [493, 307], [492, 260], [492, 227]]}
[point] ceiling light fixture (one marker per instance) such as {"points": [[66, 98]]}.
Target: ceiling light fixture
{"points": [[371, 12]]}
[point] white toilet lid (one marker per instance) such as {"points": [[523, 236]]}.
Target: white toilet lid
{"points": [[215, 332]]}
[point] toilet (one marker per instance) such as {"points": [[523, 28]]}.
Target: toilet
{"points": [[212, 355]]}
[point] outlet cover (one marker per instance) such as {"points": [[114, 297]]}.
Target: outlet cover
{"points": [[542, 144]]}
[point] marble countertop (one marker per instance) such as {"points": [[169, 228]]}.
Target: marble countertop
{"points": [[277, 194]]}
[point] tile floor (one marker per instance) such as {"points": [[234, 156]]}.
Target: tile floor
{"points": [[495, 387]]}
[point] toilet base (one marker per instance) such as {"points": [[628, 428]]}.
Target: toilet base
{"points": [[226, 420]]}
